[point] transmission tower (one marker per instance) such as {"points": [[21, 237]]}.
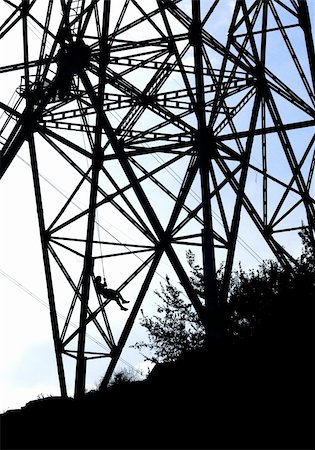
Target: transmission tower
{"points": [[176, 120]]}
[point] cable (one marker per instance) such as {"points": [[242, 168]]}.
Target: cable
{"points": [[97, 213], [13, 280]]}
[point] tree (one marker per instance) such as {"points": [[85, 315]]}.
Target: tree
{"points": [[260, 304], [272, 296], [123, 376], [177, 327]]}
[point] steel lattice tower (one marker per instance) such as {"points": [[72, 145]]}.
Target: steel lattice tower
{"points": [[174, 118]]}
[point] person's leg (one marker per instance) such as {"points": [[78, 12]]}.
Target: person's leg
{"points": [[121, 298], [119, 304]]}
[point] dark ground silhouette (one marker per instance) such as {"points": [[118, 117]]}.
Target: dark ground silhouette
{"points": [[254, 394]]}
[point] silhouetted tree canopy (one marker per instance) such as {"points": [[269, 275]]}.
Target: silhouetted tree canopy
{"points": [[261, 303], [123, 376], [175, 329]]}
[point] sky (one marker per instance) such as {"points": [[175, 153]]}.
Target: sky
{"points": [[26, 348]]}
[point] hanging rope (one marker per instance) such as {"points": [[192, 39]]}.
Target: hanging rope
{"points": [[99, 238]]}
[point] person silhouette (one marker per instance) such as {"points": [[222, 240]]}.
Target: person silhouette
{"points": [[71, 58], [110, 294]]}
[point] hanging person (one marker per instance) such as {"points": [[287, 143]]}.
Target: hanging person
{"points": [[110, 294], [72, 58]]}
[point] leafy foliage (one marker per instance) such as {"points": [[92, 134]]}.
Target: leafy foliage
{"points": [[258, 300], [123, 376], [175, 329], [260, 297]]}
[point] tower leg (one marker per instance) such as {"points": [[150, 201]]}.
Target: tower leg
{"points": [[50, 290]]}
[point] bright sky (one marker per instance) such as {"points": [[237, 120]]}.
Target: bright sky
{"points": [[27, 356]]}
